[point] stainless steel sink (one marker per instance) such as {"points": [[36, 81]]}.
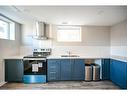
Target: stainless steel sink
{"points": [[69, 56]]}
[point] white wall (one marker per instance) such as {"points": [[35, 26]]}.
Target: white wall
{"points": [[9, 48], [27, 32], [27, 41], [119, 39], [95, 41], [91, 36]]}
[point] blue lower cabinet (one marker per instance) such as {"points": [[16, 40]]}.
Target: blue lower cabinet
{"points": [[118, 73], [66, 69], [105, 64], [53, 70], [34, 79], [13, 70], [78, 71]]}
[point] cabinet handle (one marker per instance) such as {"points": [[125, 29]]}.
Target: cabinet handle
{"points": [[52, 78], [52, 66], [53, 72]]}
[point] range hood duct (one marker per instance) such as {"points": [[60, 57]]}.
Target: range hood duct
{"points": [[40, 31]]}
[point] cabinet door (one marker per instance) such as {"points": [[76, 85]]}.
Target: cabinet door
{"points": [[66, 69], [53, 69], [118, 73], [78, 71], [113, 73], [13, 70], [124, 73], [105, 69], [20, 70]]}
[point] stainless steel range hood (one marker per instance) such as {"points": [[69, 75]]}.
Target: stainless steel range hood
{"points": [[40, 31]]}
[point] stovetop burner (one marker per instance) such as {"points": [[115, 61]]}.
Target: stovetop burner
{"points": [[39, 53]]}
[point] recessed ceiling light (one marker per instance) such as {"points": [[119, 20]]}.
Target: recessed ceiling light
{"points": [[100, 12], [26, 10], [64, 22]]}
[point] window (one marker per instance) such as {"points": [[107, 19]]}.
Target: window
{"points": [[7, 28], [4, 29], [69, 34]]}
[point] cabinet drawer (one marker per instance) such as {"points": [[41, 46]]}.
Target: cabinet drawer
{"points": [[52, 73], [52, 68], [53, 76]]}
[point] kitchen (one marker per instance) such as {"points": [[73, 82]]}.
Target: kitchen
{"points": [[63, 47]]}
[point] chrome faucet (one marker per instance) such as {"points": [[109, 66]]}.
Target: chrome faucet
{"points": [[69, 53]]}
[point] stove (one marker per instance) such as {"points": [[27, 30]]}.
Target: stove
{"points": [[39, 53], [35, 66]]}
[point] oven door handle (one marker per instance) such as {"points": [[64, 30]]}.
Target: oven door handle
{"points": [[42, 59]]}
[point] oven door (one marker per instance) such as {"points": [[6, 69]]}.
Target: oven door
{"points": [[35, 67]]}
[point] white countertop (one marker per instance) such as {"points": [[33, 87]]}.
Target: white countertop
{"points": [[79, 57], [121, 58], [14, 57], [57, 57]]}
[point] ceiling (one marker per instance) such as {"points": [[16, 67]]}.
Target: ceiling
{"points": [[73, 15]]}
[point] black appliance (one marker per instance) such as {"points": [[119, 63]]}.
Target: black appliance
{"points": [[35, 66]]}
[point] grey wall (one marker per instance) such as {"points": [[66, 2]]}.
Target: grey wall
{"points": [[9, 48], [95, 41], [119, 34], [26, 34], [119, 39], [91, 36]]}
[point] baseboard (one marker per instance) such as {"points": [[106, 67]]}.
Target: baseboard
{"points": [[2, 83]]}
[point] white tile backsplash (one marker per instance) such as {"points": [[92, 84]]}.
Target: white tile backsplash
{"points": [[82, 50], [119, 50], [93, 51], [26, 50], [42, 43]]}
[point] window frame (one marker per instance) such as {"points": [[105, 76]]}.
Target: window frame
{"points": [[8, 33], [11, 27], [72, 27]]}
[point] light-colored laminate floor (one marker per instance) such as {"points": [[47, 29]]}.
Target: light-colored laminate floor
{"points": [[62, 85]]}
